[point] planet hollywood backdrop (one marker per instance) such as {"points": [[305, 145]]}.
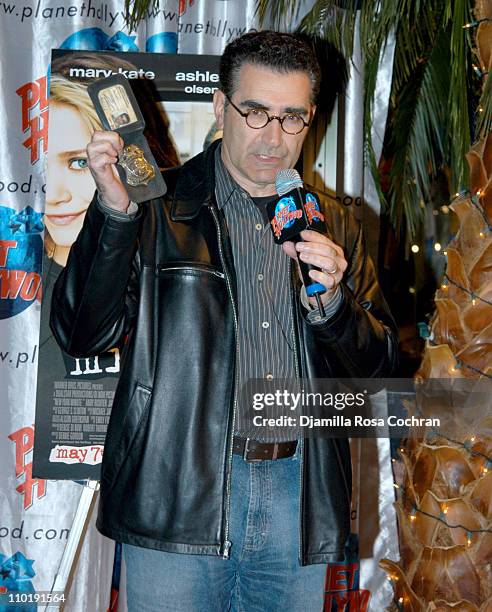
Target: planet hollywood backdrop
{"points": [[36, 514]]}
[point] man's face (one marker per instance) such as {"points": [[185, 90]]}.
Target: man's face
{"points": [[253, 157]]}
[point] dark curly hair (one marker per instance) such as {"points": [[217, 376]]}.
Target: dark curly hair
{"points": [[274, 50]]}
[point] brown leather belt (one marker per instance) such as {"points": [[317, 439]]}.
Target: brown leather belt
{"points": [[252, 450]]}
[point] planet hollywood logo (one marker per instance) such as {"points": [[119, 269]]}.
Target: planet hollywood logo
{"points": [[29, 487], [16, 573], [312, 209], [286, 212], [182, 6], [21, 249], [34, 116]]}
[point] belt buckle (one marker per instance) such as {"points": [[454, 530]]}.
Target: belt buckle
{"points": [[245, 453]]}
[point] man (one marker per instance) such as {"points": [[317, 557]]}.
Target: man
{"points": [[210, 519]]}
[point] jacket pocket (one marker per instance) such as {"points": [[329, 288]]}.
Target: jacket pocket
{"points": [[191, 268], [117, 450]]}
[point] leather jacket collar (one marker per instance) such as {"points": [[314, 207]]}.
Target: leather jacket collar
{"points": [[195, 187]]}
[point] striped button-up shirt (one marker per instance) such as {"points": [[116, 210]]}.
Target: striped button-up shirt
{"points": [[263, 290]]}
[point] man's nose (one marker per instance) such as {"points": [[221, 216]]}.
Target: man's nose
{"points": [[273, 132]]}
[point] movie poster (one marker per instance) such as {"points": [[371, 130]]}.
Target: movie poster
{"points": [[174, 92]]}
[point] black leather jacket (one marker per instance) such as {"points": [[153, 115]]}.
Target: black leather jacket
{"points": [[166, 281]]}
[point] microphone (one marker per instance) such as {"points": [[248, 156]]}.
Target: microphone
{"points": [[297, 210]]}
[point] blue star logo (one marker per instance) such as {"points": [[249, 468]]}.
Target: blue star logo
{"points": [[16, 573], [27, 222]]}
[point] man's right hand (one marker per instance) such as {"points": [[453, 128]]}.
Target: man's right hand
{"points": [[102, 155]]}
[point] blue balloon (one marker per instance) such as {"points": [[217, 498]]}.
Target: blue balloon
{"points": [[121, 42], [164, 42], [95, 39]]}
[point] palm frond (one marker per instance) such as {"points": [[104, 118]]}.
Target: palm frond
{"points": [[276, 12], [484, 122], [419, 112], [328, 21], [137, 10], [377, 24], [459, 125], [417, 28]]}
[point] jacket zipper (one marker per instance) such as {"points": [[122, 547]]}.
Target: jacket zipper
{"points": [[227, 544], [192, 269], [301, 441]]}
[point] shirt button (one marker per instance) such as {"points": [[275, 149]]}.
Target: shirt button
{"points": [[269, 376], [260, 277], [244, 195], [265, 324], [258, 226]]}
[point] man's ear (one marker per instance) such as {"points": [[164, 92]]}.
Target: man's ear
{"points": [[313, 111], [219, 106]]}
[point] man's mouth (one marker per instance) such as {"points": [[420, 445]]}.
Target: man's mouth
{"points": [[267, 159]]}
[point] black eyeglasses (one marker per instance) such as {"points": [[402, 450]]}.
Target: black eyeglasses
{"points": [[257, 118]]}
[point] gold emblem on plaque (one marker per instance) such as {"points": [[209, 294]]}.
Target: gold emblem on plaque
{"points": [[138, 170]]}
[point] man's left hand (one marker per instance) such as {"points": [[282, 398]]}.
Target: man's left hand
{"points": [[318, 250]]}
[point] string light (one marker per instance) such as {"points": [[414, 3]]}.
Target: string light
{"points": [[456, 366], [437, 246], [447, 281], [415, 248], [466, 445], [478, 71], [425, 333], [460, 364], [475, 202], [477, 22], [474, 198], [469, 532], [444, 508]]}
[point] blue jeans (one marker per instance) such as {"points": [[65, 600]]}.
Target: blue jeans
{"points": [[262, 574]]}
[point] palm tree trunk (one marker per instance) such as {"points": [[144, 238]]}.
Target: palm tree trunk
{"points": [[449, 482]]}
